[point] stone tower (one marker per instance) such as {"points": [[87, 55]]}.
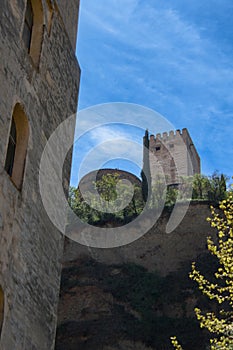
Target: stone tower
{"points": [[39, 78], [173, 154]]}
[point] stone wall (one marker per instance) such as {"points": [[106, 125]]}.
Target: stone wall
{"points": [[156, 250], [30, 246], [69, 11]]}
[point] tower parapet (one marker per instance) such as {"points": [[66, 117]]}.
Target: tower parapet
{"points": [[167, 136]]}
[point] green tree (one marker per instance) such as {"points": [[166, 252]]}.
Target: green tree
{"points": [[221, 290], [137, 204], [171, 196], [201, 186], [79, 206], [217, 190], [212, 188], [114, 202], [158, 193], [106, 186]]}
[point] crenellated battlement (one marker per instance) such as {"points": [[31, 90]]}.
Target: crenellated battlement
{"points": [[170, 136]]}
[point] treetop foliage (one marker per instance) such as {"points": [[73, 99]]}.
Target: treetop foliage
{"points": [[113, 192]]}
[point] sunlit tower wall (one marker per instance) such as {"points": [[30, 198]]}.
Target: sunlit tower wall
{"points": [[172, 155], [39, 82]]}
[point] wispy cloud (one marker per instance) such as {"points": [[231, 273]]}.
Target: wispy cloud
{"points": [[171, 56]]}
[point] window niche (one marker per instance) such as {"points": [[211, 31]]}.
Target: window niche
{"points": [[33, 29], [49, 15], [28, 25], [1, 309], [17, 146]]}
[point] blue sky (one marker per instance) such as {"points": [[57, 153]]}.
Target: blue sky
{"points": [[173, 56]]}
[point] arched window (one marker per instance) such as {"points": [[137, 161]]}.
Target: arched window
{"points": [[17, 146], [33, 29], [28, 24], [11, 149], [1, 308]]}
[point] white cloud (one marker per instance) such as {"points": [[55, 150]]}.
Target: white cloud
{"points": [[106, 133], [149, 53]]}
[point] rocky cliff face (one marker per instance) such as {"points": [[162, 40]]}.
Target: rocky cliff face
{"points": [[156, 250], [137, 296], [125, 306]]}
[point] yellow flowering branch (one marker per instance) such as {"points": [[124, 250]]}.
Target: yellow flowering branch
{"points": [[222, 290]]}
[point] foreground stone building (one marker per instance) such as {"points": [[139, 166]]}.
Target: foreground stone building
{"points": [[39, 78]]}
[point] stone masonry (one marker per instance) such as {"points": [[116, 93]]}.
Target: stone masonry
{"points": [[45, 82], [171, 155]]}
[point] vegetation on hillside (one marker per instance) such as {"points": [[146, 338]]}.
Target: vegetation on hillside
{"points": [[104, 208], [112, 192], [208, 188]]}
